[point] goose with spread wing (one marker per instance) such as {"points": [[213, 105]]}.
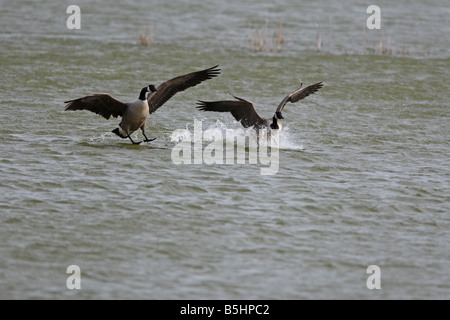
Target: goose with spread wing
{"points": [[244, 112], [134, 114]]}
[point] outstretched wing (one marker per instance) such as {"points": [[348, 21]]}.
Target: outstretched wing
{"points": [[101, 103], [299, 94], [169, 88], [242, 110]]}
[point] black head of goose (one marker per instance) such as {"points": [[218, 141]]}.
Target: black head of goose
{"points": [[134, 114], [244, 111]]}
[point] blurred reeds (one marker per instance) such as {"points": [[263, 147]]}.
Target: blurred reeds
{"points": [[383, 46], [265, 39], [144, 39], [272, 39]]}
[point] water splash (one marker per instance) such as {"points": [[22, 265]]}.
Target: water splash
{"points": [[288, 140]]}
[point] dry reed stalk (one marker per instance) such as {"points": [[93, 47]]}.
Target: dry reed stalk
{"points": [[261, 42], [258, 42], [278, 38], [144, 39], [319, 40]]}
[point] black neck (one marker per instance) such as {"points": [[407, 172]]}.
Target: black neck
{"points": [[143, 93], [274, 124]]}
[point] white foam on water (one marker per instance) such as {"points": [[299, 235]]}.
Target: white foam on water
{"points": [[289, 140], [218, 129]]}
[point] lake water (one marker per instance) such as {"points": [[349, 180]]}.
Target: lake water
{"points": [[363, 175]]}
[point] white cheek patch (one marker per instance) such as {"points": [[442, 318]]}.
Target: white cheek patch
{"points": [[280, 126]]}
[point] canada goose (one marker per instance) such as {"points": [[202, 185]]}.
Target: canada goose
{"points": [[134, 115], [244, 112]]}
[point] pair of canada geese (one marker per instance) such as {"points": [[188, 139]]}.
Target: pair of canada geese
{"points": [[134, 114]]}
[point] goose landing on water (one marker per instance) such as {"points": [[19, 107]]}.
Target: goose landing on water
{"points": [[244, 112], [134, 115]]}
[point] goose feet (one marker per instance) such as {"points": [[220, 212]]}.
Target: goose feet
{"points": [[146, 138], [139, 142], [132, 141]]}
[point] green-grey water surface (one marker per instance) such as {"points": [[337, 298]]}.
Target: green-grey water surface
{"points": [[363, 176]]}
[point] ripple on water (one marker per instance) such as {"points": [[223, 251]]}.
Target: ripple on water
{"points": [[363, 176]]}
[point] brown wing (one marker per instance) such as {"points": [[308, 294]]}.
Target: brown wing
{"points": [[300, 94], [169, 88], [100, 103], [242, 110]]}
